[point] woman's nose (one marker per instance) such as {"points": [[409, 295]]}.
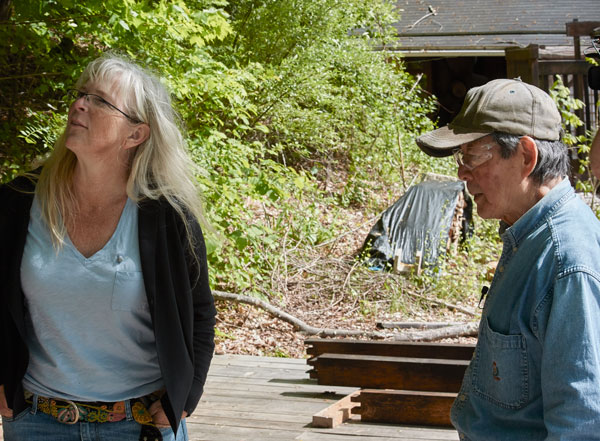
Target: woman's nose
{"points": [[81, 103]]}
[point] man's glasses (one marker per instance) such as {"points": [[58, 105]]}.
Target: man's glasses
{"points": [[97, 101], [472, 159]]}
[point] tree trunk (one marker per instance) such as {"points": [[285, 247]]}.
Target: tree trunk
{"points": [[5, 8]]}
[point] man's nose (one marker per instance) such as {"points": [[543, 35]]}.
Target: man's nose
{"points": [[464, 174]]}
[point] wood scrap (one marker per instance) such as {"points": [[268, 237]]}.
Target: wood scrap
{"points": [[337, 413]]}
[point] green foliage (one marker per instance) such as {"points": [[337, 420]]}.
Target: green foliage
{"points": [[567, 105], [278, 352], [332, 105], [47, 43], [272, 31], [280, 99]]}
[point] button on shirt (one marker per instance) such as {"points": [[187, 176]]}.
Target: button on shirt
{"points": [[535, 374]]}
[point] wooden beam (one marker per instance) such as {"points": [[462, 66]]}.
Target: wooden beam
{"points": [[563, 67], [379, 372], [404, 407], [581, 28], [318, 346], [337, 413]]}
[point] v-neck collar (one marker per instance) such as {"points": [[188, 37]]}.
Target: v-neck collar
{"points": [[106, 247]]}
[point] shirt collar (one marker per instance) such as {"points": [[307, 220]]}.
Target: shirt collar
{"points": [[536, 214]]}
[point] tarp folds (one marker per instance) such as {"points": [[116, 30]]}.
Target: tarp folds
{"points": [[419, 221]]}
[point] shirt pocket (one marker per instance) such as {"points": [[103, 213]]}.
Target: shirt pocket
{"points": [[129, 293], [500, 368]]}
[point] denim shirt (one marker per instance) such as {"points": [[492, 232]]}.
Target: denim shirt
{"points": [[535, 374]]}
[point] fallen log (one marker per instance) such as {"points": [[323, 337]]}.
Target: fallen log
{"points": [[307, 329], [297, 323], [413, 325], [463, 330]]}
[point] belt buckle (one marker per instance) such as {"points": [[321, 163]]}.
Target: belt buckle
{"points": [[67, 413]]}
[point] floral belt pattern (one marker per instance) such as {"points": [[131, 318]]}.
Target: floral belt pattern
{"points": [[70, 412]]}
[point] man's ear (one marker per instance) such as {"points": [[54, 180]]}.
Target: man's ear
{"points": [[529, 153], [138, 135]]}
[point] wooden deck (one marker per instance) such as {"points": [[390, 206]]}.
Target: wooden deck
{"points": [[273, 399], [265, 398]]}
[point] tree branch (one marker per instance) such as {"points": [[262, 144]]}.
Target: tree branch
{"points": [[298, 324], [42, 74], [464, 330], [429, 335]]}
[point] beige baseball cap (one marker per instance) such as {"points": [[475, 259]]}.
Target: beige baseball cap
{"points": [[503, 105]]}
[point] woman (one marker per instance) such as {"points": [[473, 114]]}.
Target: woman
{"points": [[106, 315]]}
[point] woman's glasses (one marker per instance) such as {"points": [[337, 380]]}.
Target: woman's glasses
{"points": [[474, 156], [97, 101]]}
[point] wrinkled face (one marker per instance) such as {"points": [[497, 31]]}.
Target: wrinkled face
{"points": [[95, 127], [494, 182]]}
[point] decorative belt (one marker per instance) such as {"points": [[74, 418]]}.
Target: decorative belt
{"points": [[71, 412]]}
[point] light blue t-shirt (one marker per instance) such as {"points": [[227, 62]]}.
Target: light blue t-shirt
{"points": [[89, 330]]}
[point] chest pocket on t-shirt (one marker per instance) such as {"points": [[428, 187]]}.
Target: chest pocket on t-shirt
{"points": [[500, 368], [129, 293]]}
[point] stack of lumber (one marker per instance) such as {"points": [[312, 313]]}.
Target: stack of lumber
{"points": [[401, 382]]}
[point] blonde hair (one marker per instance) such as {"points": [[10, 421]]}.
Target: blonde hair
{"points": [[159, 168]]}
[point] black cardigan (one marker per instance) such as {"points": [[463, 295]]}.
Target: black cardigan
{"points": [[181, 303]]}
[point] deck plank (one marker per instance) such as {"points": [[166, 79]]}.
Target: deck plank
{"points": [[268, 398], [249, 398]]}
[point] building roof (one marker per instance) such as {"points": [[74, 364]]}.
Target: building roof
{"points": [[489, 25]]}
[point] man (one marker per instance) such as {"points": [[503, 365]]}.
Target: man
{"points": [[535, 374]]}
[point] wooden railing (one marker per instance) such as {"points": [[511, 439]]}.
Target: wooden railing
{"points": [[527, 64]]}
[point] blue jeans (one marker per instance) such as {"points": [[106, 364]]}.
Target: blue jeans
{"points": [[31, 425]]}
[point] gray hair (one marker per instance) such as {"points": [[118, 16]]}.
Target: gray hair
{"points": [[160, 167], [553, 158]]}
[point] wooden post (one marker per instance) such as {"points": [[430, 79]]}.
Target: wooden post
{"points": [[578, 82], [523, 63]]}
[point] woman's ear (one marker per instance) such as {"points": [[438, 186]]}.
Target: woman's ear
{"points": [[529, 154], [138, 135]]}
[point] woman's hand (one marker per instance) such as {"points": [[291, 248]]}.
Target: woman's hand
{"points": [[158, 415], [5, 411]]}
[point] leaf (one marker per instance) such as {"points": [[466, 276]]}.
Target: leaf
{"points": [[197, 40], [299, 182]]}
